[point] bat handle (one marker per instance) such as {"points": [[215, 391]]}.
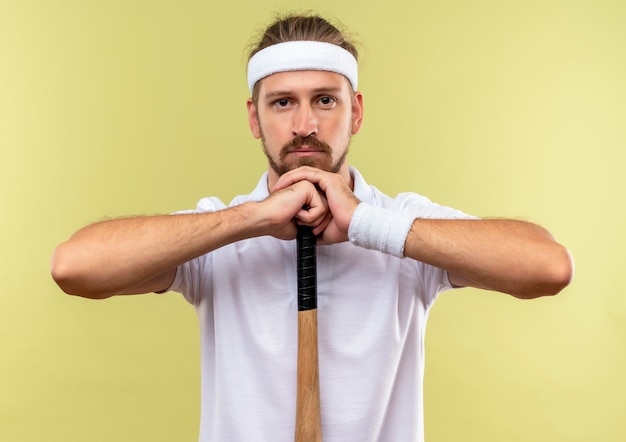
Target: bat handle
{"points": [[307, 269], [308, 419]]}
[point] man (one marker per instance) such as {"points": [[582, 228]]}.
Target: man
{"points": [[381, 261]]}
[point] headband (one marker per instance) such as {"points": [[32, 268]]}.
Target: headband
{"points": [[302, 56]]}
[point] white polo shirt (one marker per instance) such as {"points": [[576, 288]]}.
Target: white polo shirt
{"points": [[372, 311]]}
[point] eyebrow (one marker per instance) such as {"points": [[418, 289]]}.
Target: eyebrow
{"points": [[317, 91]]}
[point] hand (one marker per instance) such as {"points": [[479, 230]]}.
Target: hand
{"points": [[340, 199], [297, 203]]}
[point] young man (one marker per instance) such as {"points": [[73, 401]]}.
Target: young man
{"points": [[381, 261]]}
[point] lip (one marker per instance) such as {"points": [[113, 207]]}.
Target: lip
{"points": [[305, 152]]}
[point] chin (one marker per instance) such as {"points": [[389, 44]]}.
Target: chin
{"points": [[312, 162]]}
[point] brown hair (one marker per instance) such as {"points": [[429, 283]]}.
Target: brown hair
{"points": [[301, 27]]}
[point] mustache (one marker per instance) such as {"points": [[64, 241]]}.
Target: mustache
{"points": [[299, 141]]}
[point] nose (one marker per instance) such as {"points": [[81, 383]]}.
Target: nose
{"points": [[304, 121]]}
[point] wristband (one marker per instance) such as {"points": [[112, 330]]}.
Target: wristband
{"points": [[379, 229]]}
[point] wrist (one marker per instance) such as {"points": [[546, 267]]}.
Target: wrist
{"points": [[252, 219], [375, 228]]}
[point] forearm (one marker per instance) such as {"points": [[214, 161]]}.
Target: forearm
{"points": [[139, 255], [509, 256], [121, 255]]}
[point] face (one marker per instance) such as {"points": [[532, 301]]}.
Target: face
{"points": [[305, 118]]}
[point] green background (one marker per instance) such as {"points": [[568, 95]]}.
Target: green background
{"points": [[497, 108]]}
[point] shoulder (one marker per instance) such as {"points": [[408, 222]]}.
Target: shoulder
{"points": [[423, 207], [407, 202]]}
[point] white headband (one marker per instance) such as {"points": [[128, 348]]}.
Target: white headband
{"points": [[302, 56]]}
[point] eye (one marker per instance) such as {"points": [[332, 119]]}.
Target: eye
{"points": [[281, 102], [327, 101]]}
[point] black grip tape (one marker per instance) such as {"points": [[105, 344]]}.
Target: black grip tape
{"points": [[307, 269]]}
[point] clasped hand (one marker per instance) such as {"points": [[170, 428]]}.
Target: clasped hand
{"points": [[311, 197]]}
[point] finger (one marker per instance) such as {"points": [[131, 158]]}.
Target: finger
{"points": [[304, 173], [313, 218], [321, 227], [315, 202]]}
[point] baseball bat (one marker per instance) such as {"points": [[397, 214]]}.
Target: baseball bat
{"points": [[308, 419]]}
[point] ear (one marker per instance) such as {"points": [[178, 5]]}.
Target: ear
{"points": [[253, 119], [357, 112]]}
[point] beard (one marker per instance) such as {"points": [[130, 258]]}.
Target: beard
{"points": [[323, 162]]}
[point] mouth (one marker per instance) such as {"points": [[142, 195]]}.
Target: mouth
{"points": [[305, 151]]}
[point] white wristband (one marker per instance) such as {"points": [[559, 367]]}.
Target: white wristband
{"points": [[379, 229]]}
